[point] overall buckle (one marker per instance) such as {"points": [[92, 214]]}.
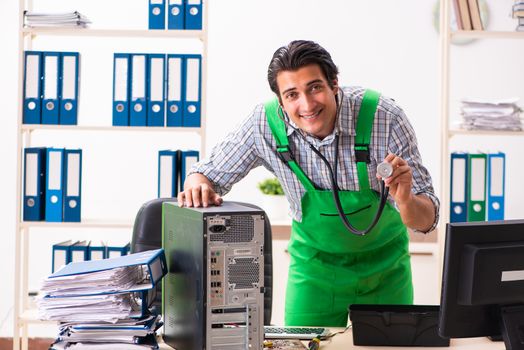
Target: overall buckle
{"points": [[284, 153], [362, 153]]}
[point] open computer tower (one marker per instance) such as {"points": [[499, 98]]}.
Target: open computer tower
{"points": [[213, 294]]}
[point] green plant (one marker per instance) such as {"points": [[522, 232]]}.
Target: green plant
{"points": [[271, 187]]}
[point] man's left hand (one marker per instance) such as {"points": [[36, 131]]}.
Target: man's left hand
{"points": [[401, 180]]}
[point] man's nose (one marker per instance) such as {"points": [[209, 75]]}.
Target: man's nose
{"points": [[308, 103]]}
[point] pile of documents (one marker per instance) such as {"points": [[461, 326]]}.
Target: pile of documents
{"points": [[68, 19], [104, 304], [491, 115]]}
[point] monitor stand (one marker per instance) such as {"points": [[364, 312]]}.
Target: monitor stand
{"points": [[512, 326]]}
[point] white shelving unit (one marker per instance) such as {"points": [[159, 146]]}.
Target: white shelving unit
{"points": [[447, 132], [24, 314]]}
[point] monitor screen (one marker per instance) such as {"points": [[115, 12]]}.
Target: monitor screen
{"points": [[483, 279]]}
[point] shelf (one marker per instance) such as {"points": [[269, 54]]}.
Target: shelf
{"points": [[484, 34], [33, 127], [84, 224], [119, 33], [454, 132], [24, 308], [30, 316]]}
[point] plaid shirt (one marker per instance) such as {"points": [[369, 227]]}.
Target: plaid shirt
{"points": [[251, 144]]}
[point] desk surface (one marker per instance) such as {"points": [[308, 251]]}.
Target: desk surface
{"points": [[344, 341]]}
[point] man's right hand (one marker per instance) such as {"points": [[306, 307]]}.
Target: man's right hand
{"points": [[198, 191]]}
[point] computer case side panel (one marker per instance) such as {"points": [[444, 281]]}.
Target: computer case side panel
{"points": [[214, 291]]}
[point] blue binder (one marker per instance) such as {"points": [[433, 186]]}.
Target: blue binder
{"points": [[70, 62], [61, 255], [157, 14], [80, 251], [192, 90], [116, 251], [51, 88], [121, 71], [157, 90], [138, 90], [175, 89], [72, 185], [54, 185], [32, 87], [175, 14], [458, 187], [168, 173], [187, 160], [496, 185], [153, 261], [97, 252], [193, 18], [34, 183]]}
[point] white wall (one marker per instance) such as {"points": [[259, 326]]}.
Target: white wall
{"points": [[390, 46]]}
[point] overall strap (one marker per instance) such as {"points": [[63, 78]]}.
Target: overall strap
{"points": [[278, 129], [366, 115]]}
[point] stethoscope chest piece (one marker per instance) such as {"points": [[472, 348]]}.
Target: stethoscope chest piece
{"points": [[384, 170]]}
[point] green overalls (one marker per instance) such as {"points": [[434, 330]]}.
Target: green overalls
{"points": [[331, 267]]}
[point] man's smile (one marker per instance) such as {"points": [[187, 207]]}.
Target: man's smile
{"points": [[311, 116]]}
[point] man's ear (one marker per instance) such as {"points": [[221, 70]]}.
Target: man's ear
{"points": [[335, 86], [280, 102]]}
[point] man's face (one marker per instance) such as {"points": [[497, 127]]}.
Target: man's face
{"points": [[308, 99]]}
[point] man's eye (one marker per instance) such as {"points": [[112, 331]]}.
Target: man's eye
{"points": [[291, 96]]}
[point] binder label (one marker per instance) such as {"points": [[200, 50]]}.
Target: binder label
{"points": [[497, 182], [166, 176], [478, 182], [175, 80], [120, 81], [157, 84], [51, 79], [73, 175], [139, 78], [32, 80], [69, 80], [193, 83], [32, 174], [55, 171]]}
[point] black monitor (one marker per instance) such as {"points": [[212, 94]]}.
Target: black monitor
{"points": [[483, 281]]}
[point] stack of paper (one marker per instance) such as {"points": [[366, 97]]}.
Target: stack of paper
{"points": [[108, 308], [104, 304], [67, 19], [125, 334], [491, 115]]}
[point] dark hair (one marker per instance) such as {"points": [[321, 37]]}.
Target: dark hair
{"points": [[297, 54]]}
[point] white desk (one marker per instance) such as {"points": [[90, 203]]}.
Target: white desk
{"points": [[344, 341]]}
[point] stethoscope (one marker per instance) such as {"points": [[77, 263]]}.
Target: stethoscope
{"points": [[384, 170]]}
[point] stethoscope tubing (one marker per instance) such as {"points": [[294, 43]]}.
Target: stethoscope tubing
{"points": [[384, 191]]}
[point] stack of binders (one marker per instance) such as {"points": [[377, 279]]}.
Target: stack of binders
{"points": [[52, 184], [105, 303], [477, 188], [157, 90], [181, 14], [71, 251], [51, 82], [173, 167]]}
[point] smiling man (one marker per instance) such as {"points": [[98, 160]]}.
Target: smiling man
{"points": [[318, 137]]}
